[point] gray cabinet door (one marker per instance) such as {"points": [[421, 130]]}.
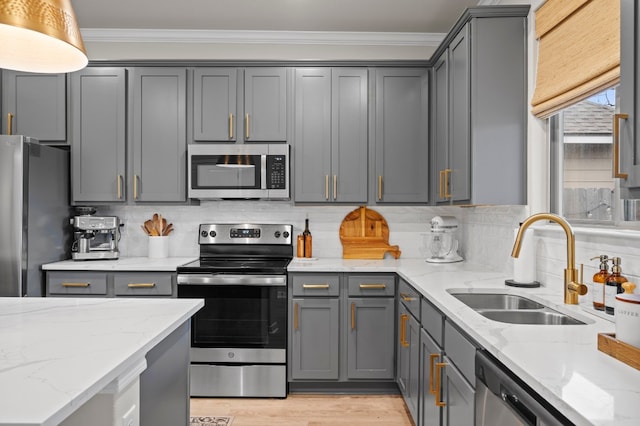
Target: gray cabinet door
{"points": [[315, 338], [312, 134], [440, 131], [370, 348], [458, 396], [430, 354], [401, 136], [98, 135], [158, 139], [459, 133], [37, 103], [265, 104], [349, 135], [408, 359], [215, 116]]}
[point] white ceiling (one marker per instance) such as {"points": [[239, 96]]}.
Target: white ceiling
{"points": [[422, 16]]}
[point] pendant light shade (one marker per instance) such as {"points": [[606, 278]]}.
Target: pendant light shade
{"points": [[40, 36]]}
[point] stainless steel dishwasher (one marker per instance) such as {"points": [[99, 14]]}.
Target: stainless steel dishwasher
{"points": [[502, 399]]}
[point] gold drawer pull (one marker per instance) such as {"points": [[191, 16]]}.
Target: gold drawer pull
{"points": [[353, 315], [141, 285], [296, 323], [403, 330], [432, 358], [439, 366], [10, 124], [406, 297], [230, 126], [315, 285], [373, 286], [76, 284], [616, 146]]}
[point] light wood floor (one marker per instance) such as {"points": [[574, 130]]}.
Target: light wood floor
{"points": [[307, 410]]}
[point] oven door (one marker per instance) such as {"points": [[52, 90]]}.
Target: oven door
{"points": [[243, 315]]}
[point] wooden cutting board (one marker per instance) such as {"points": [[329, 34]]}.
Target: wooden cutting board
{"points": [[364, 234]]}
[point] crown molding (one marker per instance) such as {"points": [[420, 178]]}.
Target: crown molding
{"points": [[118, 35]]}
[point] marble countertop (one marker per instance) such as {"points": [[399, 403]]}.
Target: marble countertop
{"points": [[122, 264], [57, 353], [561, 363]]}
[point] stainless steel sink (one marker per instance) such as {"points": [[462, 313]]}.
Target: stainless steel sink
{"points": [[513, 309]]}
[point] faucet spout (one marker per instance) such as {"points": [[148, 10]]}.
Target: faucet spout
{"points": [[572, 285]]}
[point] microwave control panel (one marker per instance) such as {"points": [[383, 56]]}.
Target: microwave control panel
{"points": [[276, 172]]}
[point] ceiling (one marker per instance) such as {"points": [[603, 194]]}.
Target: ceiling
{"points": [[421, 16]]}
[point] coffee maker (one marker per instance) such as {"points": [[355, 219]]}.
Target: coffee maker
{"points": [[95, 237], [442, 241]]}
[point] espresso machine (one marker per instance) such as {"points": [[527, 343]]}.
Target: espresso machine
{"points": [[95, 237], [443, 241]]}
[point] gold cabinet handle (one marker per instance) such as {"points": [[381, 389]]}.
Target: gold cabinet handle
{"points": [[406, 297], [230, 126], [335, 187], [136, 178], [326, 187], [616, 145], [380, 188], [295, 317], [353, 315], [439, 367], [246, 126], [432, 358], [373, 286], [403, 330], [119, 189], [316, 286], [84, 285], [141, 285], [9, 124]]}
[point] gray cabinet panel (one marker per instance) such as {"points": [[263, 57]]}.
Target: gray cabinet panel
{"points": [[159, 134], [432, 321], [315, 338], [214, 104], [408, 360], [265, 104], [440, 101], [460, 350], [315, 285], [430, 354], [370, 349], [98, 110], [401, 136], [37, 103], [459, 397], [371, 285]]}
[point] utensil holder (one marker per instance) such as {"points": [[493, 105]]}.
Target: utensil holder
{"points": [[158, 247]]}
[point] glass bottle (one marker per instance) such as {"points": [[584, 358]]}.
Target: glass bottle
{"points": [[613, 286], [307, 239], [599, 280]]}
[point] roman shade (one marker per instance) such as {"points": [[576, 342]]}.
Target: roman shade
{"points": [[578, 52]]}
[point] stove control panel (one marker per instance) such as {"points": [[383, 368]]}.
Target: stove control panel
{"points": [[245, 233]]}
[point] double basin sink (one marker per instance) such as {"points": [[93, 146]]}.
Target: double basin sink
{"points": [[513, 309]]}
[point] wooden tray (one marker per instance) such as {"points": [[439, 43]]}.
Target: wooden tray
{"points": [[364, 234], [621, 351]]}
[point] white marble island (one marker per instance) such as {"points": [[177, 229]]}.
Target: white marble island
{"points": [[59, 356]]}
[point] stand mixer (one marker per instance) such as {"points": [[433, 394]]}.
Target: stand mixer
{"points": [[443, 243]]}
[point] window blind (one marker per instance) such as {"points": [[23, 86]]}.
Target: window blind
{"points": [[578, 52]]}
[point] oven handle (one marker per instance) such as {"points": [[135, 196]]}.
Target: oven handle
{"points": [[248, 280]]}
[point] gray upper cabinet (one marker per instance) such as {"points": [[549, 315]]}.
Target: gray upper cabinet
{"points": [[240, 104], [629, 161], [37, 104], [98, 135], [401, 171], [479, 109], [331, 135], [158, 135]]}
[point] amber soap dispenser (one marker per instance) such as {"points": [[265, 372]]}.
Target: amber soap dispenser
{"points": [[599, 280], [613, 286]]}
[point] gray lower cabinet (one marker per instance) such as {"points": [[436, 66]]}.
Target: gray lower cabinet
{"points": [[430, 413], [408, 347], [331, 134], [401, 141], [35, 105], [240, 104], [98, 135], [479, 109], [457, 373], [110, 284]]}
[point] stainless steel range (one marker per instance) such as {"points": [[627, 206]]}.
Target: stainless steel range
{"points": [[239, 337]]}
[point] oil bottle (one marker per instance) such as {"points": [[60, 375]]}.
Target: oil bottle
{"points": [[613, 286], [599, 280], [307, 239]]}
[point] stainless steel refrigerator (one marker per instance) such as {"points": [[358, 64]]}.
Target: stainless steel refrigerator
{"points": [[34, 213]]}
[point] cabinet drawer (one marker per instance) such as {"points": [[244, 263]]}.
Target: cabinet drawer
{"points": [[77, 283], [432, 321], [372, 285], [461, 351], [410, 298], [316, 285], [142, 284]]}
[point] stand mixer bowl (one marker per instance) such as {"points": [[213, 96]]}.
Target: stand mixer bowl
{"points": [[443, 243]]}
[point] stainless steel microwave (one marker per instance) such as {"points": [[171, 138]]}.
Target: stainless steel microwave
{"points": [[238, 171]]}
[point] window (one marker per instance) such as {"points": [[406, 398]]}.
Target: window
{"points": [[583, 187]]}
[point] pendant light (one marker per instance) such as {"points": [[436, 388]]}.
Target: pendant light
{"points": [[40, 36]]}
